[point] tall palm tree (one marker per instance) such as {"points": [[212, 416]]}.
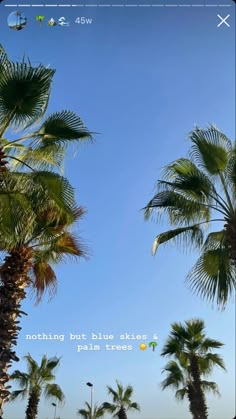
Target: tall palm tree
{"points": [[196, 192], [122, 402], [91, 413], [179, 378], [193, 358], [36, 208], [29, 265], [37, 381]]}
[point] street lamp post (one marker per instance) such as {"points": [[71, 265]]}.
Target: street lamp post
{"points": [[91, 387], [55, 410]]}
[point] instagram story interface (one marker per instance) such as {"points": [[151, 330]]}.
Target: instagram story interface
{"points": [[117, 209]]}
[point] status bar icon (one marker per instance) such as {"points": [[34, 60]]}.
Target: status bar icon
{"points": [[40, 19], [52, 22], [62, 22], [16, 20]]}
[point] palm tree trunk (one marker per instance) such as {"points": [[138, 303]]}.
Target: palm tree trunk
{"points": [[192, 402], [122, 413], [3, 162], [230, 232], [32, 407], [13, 281], [201, 407]]}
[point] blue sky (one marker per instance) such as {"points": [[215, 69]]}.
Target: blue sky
{"points": [[142, 79]]}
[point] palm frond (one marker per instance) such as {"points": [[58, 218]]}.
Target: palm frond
{"points": [[189, 236], [109, 407], [134, 406], [171, 347], [210, 344], [113, 393], [83, 413], [32, 365], [185, 177], [43, 157], [213, 277], [63, 127], [57, 191], [214, 240], [98, 411], [51, 225], [3, 58], [68, 244], [53, 363], [210, 149], [210, 360], [120, 390], [174, 376], [210, 386], [16, 215], [18, 394], [24, 94], [231, 171], [44, 280], [195, 327], [22, 379], [128, 391], [178, 208], [59, 246], [54, 391], [181, 394], [8, 147]]}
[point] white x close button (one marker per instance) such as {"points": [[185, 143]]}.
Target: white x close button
{"points": [[223, 20]]}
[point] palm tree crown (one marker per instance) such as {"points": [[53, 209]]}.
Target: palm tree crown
{"points": [[24, 96], [121, 401], [197, 192], [91, 412]]}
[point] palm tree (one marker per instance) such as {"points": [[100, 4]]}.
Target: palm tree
{"points": [[152, 345], [37, 381], [29, 265], [193, 358], [200, 191], [121, 401], [37, 209], [91, 413], [179, 378]]}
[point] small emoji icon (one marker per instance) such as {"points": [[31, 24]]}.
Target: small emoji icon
{"points": [[52, 22], [152, 345], [40, 19], [143, 346], [62, 22]]}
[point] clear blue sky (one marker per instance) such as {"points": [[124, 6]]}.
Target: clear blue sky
{"points": [[142, 78]]}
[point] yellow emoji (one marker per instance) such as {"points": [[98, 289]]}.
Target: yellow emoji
{"points": [[142, 346]]}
